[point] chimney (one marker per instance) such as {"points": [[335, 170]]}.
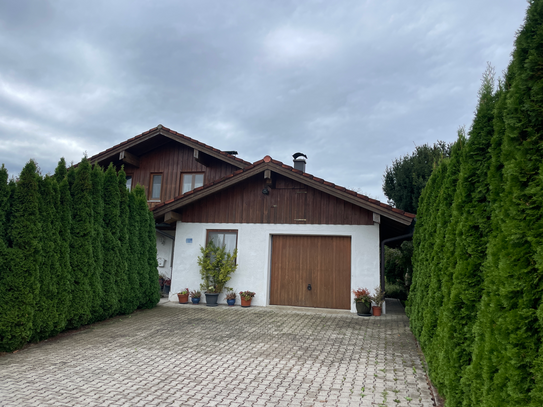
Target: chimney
{"points": [[299, 162]]}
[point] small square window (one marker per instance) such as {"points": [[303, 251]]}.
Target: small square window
{"points": [[156, 184], [190, 181], [227, 238]]}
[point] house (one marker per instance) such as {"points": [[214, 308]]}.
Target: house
{"points": [[301, 240]]}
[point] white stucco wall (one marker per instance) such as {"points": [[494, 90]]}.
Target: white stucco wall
{"points": [[164, 247], [254, 255]]}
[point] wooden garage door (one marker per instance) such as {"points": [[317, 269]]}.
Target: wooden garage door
{"points": [[324, 262]]}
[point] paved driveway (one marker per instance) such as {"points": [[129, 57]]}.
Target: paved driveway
{"points": [[186, 355]]}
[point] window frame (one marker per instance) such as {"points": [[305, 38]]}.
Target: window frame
{"points": [[193, 173], [131, 176], [151, 178], [223, 231]]}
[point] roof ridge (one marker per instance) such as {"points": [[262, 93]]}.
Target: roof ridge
{"points": [[177, 134]]}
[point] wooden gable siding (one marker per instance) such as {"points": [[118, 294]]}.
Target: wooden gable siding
{"points": [[289, 202], [171, 160]]}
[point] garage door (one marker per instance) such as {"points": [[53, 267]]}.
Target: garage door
{"points": [[311, 271]]}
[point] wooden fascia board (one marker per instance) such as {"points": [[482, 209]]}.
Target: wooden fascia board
{"points": [[166, 133], [288, 173], [121, 147]]}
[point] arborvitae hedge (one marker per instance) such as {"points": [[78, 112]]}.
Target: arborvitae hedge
{"points": [[487, 346], [57, 268], [99, 300], [125, 303], [19, 287], [65, 282]]}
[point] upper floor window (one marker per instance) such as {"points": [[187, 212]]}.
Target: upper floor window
{"points": [[156, 187], [189, 181], [129, 182]]}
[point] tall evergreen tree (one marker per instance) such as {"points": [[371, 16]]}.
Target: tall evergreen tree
{"points": [[66, 278], [97, 306], [123, 281], [60, 171], [134, 250], [143, 238], [445, 264], [481, 371], [19, 286], [518, 330], [4, 210], [422, 240], [153, 289], [45, 312], [81, 254], [112, 245], [4, 205], [471, 209]]}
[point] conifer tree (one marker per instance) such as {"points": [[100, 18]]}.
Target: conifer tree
{"points": [[134, 251], [153, 288], [518, 276], [470, 210], [97, 307], [4, 204], [60, 171], [123, 281], [479, 374], [4, 213], [143, 239], [81, 254], [435, 295], [66, 278], [445, 264], [19, 286], [45, 312], [112, 246], [422, 241]]}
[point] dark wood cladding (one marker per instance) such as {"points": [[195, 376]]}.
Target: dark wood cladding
{"points": [[289, 202], [171, 160]]}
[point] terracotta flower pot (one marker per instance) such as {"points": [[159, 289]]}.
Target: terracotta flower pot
{"points": [[245, 303], [376, 311], [183, 298]]}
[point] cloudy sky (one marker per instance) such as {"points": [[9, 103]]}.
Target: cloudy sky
{"points": [[352, 84]]}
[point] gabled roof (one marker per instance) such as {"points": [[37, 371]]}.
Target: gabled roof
{"points": [[267, 163], [156, 137]]}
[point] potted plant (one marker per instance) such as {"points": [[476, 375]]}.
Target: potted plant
{"points": [[183, 296], [230, 297], [378, 299], [167, 285], [216, 267], [195, 296], [246, 297], [362, 299]]}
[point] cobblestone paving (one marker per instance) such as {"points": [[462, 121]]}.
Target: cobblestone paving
{"points": [[186, 355]]}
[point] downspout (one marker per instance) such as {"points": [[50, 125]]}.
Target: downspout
{"points": [[160, 232], [392, 239]]}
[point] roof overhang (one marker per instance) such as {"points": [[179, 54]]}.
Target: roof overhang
{"points": [[396, 215], [130, 150]]}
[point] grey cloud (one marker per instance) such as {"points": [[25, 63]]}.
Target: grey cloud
{"points": [[352, 84]]}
